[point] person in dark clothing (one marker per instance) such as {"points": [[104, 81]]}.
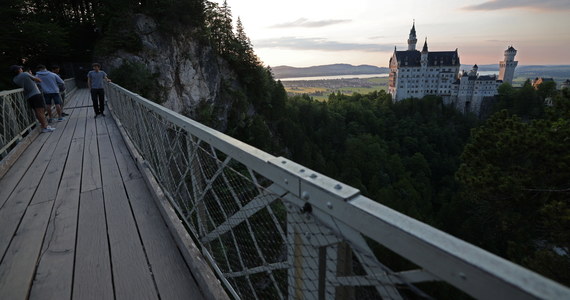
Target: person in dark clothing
{"points": [[95, 79]]}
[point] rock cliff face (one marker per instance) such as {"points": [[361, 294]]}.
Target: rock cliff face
{"points": [[188, 72]]}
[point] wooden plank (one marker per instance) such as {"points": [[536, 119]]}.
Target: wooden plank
{"points": [[92, 270], [17, 269], [19, 168], [100, 123], [109, 168], [47, 190], [91, 176], [54, 275], [210, 285], [172, 275], [125, 160], [131, 274], [7, 162], [15, 207]]}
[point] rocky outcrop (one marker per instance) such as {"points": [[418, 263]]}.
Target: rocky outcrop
{"points": [[188, 72]]}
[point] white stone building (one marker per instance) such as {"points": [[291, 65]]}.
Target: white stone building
{"points": [[471, 90], [417, 74]]}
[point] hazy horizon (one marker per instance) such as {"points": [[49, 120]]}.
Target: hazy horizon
{"points": [[310, 33], [463, 64]]}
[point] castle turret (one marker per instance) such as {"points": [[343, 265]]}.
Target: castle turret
{"points": [[424, 55], [412, 40], [473, 71], [507, 66]]}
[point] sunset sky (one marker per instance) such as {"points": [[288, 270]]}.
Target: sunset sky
{"points": [[303, 33]]}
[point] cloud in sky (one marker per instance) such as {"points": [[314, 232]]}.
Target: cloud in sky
{"points": [[304, 22], [321, 44], [547, 5]]}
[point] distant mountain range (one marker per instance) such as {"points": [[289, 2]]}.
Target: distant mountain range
{"points": [[326, 70], [530, 71]]}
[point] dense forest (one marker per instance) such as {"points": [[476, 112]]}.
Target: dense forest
{"points": [[500, 183]]}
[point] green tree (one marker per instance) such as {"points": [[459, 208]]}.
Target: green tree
{"points": [[144, 83], [505, 97], [515, 175], [546, 89]]}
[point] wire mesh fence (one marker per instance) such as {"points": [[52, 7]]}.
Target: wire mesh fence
{"points": [[275, 229], [16, 118]]}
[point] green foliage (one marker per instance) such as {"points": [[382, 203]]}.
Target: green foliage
{"points": [[525, 102], [515, 175], [136, 77], [400, 154], [173, 15], [119, 34], [546, 89], [28, 38], [49, 31]]}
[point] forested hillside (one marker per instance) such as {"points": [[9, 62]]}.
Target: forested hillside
{"points": [[502, 183]]}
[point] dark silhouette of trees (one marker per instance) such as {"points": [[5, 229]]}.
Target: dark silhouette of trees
{"points": [[515, 177]]}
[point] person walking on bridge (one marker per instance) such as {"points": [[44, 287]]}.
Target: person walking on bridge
{"points": [[32, 94], [95, 79]]}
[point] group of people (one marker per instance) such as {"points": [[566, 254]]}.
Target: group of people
{"points": [[47, 88]]}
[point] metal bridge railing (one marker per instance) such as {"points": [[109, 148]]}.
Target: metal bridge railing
{"points": [[17, 118], [274, 229]]}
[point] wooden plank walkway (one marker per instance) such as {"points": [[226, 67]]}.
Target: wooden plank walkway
{"points": [[77, 220]]}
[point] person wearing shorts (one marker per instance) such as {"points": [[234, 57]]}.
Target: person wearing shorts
{"points": [[32, 94], [49, 83], [55, 69]]}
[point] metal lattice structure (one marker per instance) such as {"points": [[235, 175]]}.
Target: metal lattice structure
{"points": [[272, 228], [16, 119]]}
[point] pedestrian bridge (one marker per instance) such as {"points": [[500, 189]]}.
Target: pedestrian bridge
{"points": [[147, 204]]}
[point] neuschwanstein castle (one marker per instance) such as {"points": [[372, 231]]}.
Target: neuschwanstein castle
{"points": [[417, 74]]}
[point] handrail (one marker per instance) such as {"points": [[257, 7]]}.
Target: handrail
{"points": [[274, 228], [16, 118]]}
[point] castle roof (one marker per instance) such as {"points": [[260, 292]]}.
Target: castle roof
{"points": [[425, 49], [435, 58], [487, 77], [413, 30]]}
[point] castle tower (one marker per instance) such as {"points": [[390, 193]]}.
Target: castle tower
{"points": [[424, 55], [473, 71], [507, 66], [412, 40]]}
